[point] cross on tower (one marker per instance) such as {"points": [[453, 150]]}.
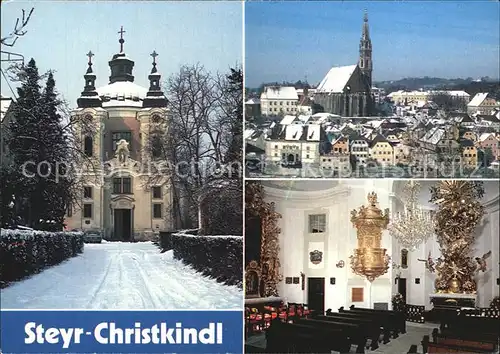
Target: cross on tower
{"points": [[90, 55], [121, 32], [154, 55]]}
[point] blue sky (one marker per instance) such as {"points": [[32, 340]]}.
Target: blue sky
{"points": [[295, 40], [61, 33]]}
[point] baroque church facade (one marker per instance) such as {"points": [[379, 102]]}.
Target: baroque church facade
{"points": [[120, 196], [346, 90]]}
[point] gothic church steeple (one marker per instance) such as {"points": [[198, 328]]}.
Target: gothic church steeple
{"points": [[365, 51]]}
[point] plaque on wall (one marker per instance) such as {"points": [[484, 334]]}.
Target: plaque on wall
{"points": [[357, 295], [296, 280], [288, 280]]}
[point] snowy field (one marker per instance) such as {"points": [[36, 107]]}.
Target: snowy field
{"points": [[117, 275]]}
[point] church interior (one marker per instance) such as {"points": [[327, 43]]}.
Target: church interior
{"points": [[389, 266]]}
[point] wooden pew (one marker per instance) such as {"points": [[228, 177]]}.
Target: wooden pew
{"points": [[354, 332], [466, 324], [301, 338], [389, 321], [449, 347], [369, 327], [398, 317], [363, 318], [472, 339]]}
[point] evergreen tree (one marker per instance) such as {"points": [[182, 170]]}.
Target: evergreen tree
{"points": [[38, 148], [235, 150]]}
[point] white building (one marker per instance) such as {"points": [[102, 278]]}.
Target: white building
{"points": [[378, 94], [360, 149], [296, 144], [482, 103], [276, 100]]}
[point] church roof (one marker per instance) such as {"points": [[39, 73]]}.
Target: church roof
{"points": [[122, 94], [336, 79]]}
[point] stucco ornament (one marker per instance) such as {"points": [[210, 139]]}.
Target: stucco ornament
{"points": [[122, 151]]}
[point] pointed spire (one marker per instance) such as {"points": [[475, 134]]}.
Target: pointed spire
{"points": [[155, 96], [89, 96], [366, 33]]}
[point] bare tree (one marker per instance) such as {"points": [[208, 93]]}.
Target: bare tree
{"points": [[202, 130], [19, 30]]}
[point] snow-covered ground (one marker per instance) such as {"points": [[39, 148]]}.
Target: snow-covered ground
{"points": [[117, 275]]}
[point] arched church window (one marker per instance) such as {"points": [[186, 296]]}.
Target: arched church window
{"points": [[404, 258], [88, 146], [362, 63]]}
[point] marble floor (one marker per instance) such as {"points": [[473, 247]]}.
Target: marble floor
{"points": [[414, 334]]}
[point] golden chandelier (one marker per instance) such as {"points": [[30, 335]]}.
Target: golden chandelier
{"points": [[369, 259], [413, 226]]}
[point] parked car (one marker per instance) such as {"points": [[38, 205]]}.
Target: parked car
{"points": [[92, 236]]}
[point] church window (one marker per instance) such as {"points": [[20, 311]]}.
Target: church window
{"points": [[122, 185], [87, 192], [317, 223], [117, 136], [88, 146], [69, 210], [157, 210], [87, 211], [362, 63], [156, 118], [156, 192]]}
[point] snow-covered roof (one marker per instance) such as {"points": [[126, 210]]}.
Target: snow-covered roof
{"points": [[309, 132], [336, 79], [433, 136], [478, 99], [248, 133], [279, 93], [287, 119], [253, 101], [5, 104], [484, 136], [122, 94]]}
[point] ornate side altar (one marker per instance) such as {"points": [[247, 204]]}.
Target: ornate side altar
{"points": [[263, 275], [458, 214]]}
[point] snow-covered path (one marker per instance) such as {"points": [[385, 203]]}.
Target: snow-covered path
{"points": [[118, 275]]}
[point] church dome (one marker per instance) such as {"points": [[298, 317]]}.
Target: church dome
{"points": [[122, 94]]}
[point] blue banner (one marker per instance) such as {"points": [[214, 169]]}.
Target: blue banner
{"points": [[121, 331]]}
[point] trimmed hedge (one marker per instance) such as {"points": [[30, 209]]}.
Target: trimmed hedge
{"points": [[218, 257], [26, 252]]}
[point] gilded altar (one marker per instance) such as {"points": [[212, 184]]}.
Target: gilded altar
{"points": [[263, 275]]}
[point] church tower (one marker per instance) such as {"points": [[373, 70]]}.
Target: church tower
{"points": [[365, 51]]}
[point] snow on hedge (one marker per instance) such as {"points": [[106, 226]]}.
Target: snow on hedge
{"points": [[218, 257], [25, 252]]}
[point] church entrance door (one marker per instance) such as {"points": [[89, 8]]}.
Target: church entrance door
{"points": [[316, 294], [123, 224]]}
